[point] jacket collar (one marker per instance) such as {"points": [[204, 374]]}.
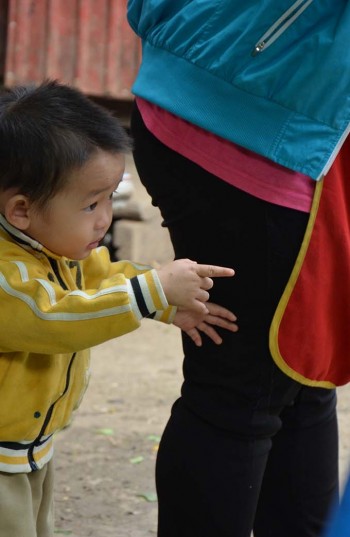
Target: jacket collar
{"points": [[24, 240]]}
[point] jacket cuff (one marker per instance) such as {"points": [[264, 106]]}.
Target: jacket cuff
{"points": [[148, 299]]}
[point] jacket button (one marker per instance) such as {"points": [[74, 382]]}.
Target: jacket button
{"points": [[37, 414]]}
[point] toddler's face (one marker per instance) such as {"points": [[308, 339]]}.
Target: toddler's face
{"points": [[75, 220]]}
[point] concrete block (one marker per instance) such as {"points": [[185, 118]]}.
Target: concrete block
{"points": [[142, 241]]}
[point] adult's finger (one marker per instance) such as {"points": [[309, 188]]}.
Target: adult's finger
{"points": [[223, 323], [195, 336], [221, 311], [210, 332]]}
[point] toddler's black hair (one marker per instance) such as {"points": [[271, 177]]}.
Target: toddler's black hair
{"points": [[47, 131]]}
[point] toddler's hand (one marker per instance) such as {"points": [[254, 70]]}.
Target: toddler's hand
{"points": [[186, 283], [192, 323]]}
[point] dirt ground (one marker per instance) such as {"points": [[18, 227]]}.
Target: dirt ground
{"points": [[105, 460]]}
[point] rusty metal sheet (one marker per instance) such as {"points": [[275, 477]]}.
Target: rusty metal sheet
{"points": [[3, 37], [86, 43]]}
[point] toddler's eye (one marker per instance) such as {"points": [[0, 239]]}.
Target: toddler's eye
{"points": [[91, 207]]}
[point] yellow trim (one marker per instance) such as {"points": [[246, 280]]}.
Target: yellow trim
{"points": [[13, 460], [276, 321], [39, 455], [153, 290], [167, 316]]}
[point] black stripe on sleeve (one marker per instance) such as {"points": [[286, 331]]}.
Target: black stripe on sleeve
{"points": [[139, 296]]}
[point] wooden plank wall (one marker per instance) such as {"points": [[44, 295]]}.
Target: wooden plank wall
{"points": [[86, 43]]}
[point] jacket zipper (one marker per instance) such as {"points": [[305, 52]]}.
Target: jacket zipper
{"points": [[54, 265], [36, 442], [280, 26]]}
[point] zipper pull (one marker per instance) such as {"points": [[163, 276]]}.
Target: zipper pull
{"points": [[280, 25], [259, 47]]}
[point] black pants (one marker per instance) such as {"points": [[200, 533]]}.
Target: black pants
{"points": [[245, 447]]}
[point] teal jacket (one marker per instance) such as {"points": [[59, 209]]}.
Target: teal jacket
{"points": [[270, 75]]}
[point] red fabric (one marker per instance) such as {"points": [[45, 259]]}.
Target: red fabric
{"points": [[314, 333]]}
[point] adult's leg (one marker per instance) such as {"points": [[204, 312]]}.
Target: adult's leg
{"points": [[208, 480], [301, 478], [234, 388], [212, 222]]}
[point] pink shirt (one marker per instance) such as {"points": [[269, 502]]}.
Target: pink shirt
{"points": [[240, 167]]}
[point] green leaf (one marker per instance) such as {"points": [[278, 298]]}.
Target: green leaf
{"points": [[107, 431], [136, 460], [153, 437], [149, 496]]}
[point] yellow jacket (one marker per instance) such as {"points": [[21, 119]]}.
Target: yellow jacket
{"points": [[52, 310]]}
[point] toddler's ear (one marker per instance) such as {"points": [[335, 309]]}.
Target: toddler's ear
{"points": [[17, 211]]}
